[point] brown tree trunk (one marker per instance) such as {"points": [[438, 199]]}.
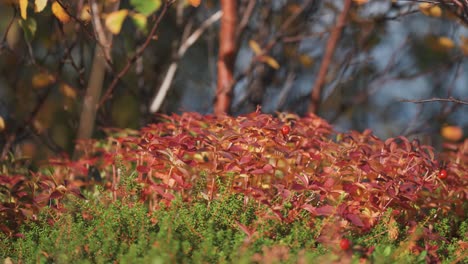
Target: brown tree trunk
{"points": [[97, 74], [329, 50], [226, 57]]}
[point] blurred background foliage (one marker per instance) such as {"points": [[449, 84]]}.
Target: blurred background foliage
{"points": [[388, 51]]}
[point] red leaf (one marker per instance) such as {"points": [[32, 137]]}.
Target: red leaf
{"points": [[355, 220], [258, 171], [41, 198], [268, 168], [311, 209], [143, 169], [245, 159], [56, 195], [325, 210], [5, 229]]}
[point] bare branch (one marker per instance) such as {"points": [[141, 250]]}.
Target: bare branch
{"points": [[165, 85], [435, 99], [137, 54]]}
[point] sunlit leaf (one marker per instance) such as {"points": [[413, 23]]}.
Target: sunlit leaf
{"points": [[67, 91], [451, 133], [41, 80], [255, 47], [23, 5], [146, 7], [446, 43], [360, 2], [39, 5], [60, 13], [194, 3], [115, 20], [270, 61], [2, 124], [29, 27], [85, 13], [306, 60], [429, 9], [139, 20]]}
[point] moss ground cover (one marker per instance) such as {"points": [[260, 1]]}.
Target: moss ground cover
{"points": [[250, 189]]}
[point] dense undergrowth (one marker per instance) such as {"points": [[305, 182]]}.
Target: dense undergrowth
{"points": [[251, 189]]}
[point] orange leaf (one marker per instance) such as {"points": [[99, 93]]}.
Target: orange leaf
{"points": [[42, 80], [2, 124], [68, 91], [429, 9], [60, 13], [445, 43], [194, 3], [451, 133], [306, 60], [360, 2]]}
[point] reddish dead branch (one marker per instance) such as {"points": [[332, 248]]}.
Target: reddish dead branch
{"points": [[227, 50], [329, 50]]}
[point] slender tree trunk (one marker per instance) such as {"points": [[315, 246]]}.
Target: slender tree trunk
{"points": [[327, 57], [226, 57], [96, 78]]}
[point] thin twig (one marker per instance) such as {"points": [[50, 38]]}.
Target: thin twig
{"points": [[288, 84], [100, 33], [165, 85], [435, 99], [138, 53], [7, 29]]}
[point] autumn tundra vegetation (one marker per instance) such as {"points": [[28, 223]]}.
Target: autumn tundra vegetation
{"points": [[251, 189], [89, 176]]}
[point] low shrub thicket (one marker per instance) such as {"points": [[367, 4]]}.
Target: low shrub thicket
{"points": [[254, 188]]}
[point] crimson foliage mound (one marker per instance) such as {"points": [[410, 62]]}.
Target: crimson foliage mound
{"points": [[290, 165]]}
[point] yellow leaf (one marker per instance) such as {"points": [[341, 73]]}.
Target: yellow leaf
{"points": [[67, 91], [255, 47], [445, 43], [140, 20], [429, 9], [270, 61], [194, 3], [60, 13], [23, 5], [451, 133], [115, 20], [39, 5], [464, 45], [42, 80], [85, 13], [306, 60], [360, 2], [2, 124]]}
